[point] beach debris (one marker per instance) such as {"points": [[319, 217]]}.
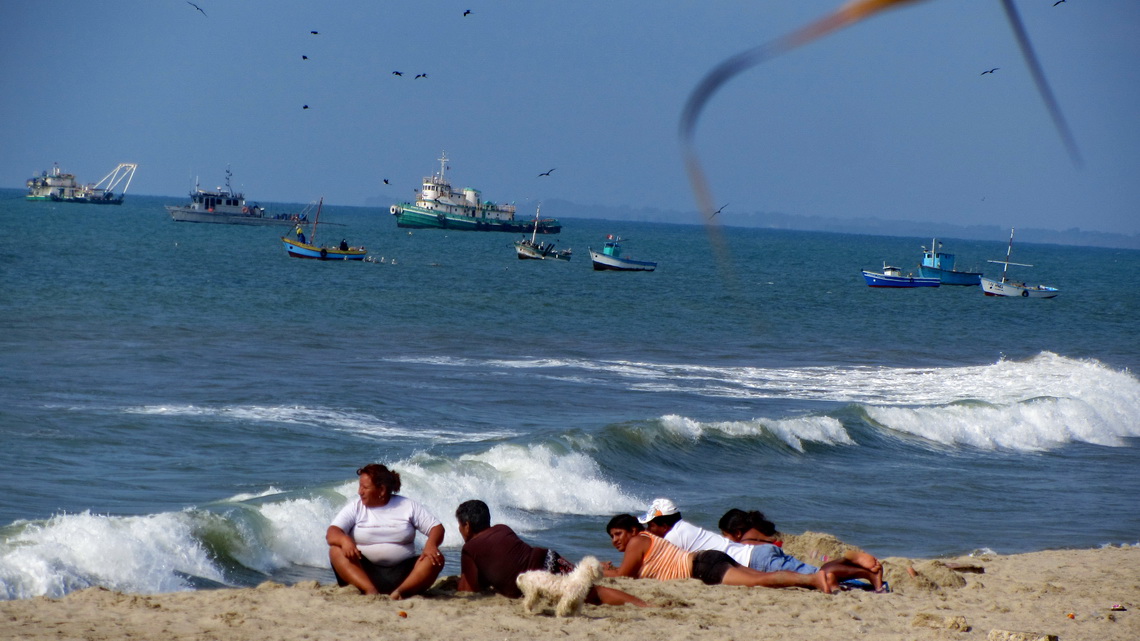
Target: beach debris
{"points": [[402, 614], [1009, 635], [938, 622], [965, 567], [910, 570], [1116, 607], [1071, 615]]}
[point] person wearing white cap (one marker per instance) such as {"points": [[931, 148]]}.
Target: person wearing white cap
{"points": [[663, 519]]}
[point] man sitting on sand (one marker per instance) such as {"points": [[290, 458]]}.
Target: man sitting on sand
{"points": [[493, 556], [663, 519], [646, 556]]}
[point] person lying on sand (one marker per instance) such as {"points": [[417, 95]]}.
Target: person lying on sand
{"points": [[493, 556], [646, 556], [751, 528]]}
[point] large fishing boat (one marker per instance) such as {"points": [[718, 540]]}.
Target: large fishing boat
{"points": [[63, 188], [438, 206], [225, 206], [940, 265]]}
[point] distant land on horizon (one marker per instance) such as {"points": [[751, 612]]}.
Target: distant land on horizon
{"points": [[557, 208]]}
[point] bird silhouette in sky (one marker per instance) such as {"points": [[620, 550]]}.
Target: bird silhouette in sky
{"points": [[989, 71], [196, 7], [397, 73], [1058, 2], [719, 210], [305, 107], [546, 173], [304, 57], [420, 75], [468, 12], [385, 181], [313, 32]]}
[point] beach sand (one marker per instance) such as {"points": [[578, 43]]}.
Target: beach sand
{"points": [[1072, 595]]}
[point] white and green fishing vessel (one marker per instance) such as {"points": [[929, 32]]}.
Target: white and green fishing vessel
{"points": [[438, 206]]}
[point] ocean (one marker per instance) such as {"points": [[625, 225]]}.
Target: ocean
{"points": [[184, 406]]}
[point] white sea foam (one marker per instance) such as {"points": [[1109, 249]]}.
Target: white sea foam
{"points": [[792, 431], [322, 418], [74, 551]]}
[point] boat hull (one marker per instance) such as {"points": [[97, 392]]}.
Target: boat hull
{"points": [[413, 217], [618, 264], [1011, 290], [297, 249], [526, 251], [950, 277], [883, 280], [187, 215]]}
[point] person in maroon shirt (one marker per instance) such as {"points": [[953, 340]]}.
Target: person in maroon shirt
{"points": [[493, 556]]}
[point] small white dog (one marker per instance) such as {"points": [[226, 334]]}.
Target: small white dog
{"points": [[567, 590]]}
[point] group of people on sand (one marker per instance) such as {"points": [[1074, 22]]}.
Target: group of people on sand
{"points": [[372, 547]]}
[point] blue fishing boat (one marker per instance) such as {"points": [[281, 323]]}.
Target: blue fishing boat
{"points": [[301, 247], [893, 277], [940, 265], [610, 259]]}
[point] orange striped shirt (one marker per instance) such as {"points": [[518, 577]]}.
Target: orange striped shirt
{"points": [[665, 561]]}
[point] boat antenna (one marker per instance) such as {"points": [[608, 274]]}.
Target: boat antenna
{"points": [[442, 164], [229, 175]]}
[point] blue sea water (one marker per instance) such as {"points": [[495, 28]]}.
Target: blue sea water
{"points": [[184, 405]]}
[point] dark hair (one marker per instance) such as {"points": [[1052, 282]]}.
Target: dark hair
{"points": [[737, 522], [667, 520], [475, 514], [624, 522], [381, 476]]}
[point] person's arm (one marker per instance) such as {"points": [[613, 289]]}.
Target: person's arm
{"points": [[431, 546], [631, 561], [337, 537], [468, 574]]}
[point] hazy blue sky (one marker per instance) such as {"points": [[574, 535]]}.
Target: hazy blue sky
{"points": [[890, 118]]}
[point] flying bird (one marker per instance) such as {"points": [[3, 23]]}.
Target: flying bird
{"points": [[385, 181], [468, 12], [1058, 2], [420, 75], [719, 210], [990, 71], [313, 32], [196, 7], [304, 57], [305, 107], [546, 173], [397, 73]]}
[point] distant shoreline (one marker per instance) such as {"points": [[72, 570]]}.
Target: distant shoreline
{"points": [[557, 208]]}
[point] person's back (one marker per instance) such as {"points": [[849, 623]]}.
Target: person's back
{"points": [[493, 558]]}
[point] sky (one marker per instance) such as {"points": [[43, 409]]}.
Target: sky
{"points": [[890, 118]]}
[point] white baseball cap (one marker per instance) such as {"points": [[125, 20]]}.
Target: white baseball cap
{"points": [[660, 507]]}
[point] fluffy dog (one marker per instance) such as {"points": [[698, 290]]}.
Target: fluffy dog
{"points": [[568, 591]]}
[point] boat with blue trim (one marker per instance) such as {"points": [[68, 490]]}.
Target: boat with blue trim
{"points": [[893, 277], [302, 247], [611, 258]]}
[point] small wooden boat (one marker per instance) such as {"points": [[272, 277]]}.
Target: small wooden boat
{"points": [[610, 259], [893, 277], [1008, 288], [534, 249], [301, 247]]}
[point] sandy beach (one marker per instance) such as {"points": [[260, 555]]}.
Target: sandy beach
{"points": [[1071, 595]]}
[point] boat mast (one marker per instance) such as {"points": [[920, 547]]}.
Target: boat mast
{"points": [[313, 232], [442, 165], [535, 232], [1008, 252]]}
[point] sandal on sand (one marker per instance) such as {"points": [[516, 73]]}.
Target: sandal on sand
{"points": [[884, 589]]}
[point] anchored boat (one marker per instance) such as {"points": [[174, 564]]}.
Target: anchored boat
{"points": [[225, 206], [611, 259], [63, 188], [893, 277], [438, 206], [534, 249], [1006, 287], [301, 247], [940, 265]]}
